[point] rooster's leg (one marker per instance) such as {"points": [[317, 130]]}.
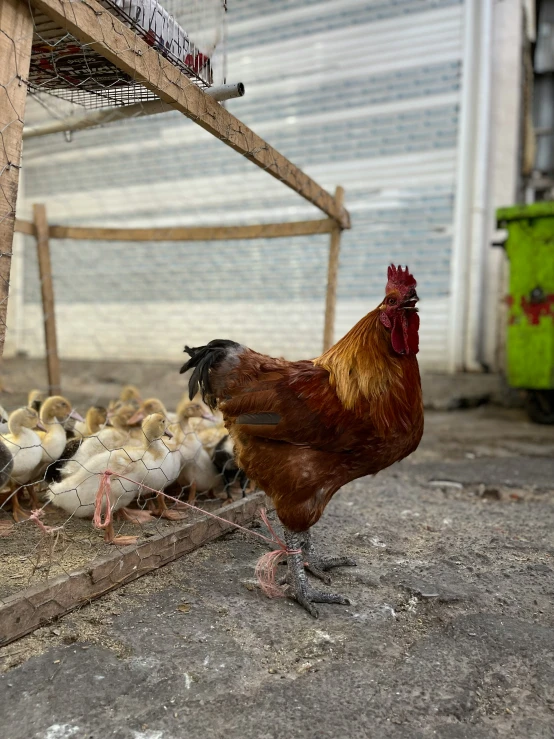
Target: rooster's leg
{"points": [[299, 587], [318, 565]]}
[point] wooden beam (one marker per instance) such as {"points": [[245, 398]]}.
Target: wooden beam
{"points": [[193, 233], [202, 233], [16, 26], [48, 305], [332, 279], [36, 606], [25, 227], [94, 25]]}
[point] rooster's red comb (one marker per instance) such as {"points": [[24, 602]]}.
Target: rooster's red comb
{"points": [[399, 278]]}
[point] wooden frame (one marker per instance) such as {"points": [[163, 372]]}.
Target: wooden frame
{"points": [[193, 233], [92, 24], [95, 26], [37, 605], [42, 231], [47, 292], [332, 278], [16, 26]]}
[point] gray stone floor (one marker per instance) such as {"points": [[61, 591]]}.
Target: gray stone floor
{"points": [[449, 635]]}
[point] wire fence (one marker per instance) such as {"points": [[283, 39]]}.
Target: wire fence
{"points": [[72, 483], [63, 66], [120, 468]]}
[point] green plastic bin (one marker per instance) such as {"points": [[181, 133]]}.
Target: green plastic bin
{"points": [[530, 338]]}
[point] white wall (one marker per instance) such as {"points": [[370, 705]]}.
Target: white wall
{"points": [[369, 102]]}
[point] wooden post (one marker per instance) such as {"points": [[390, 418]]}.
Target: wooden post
{"points": [[16, 34], [48, 306], [332, 277]]}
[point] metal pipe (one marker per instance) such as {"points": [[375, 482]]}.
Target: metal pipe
{"points": [[464, 192], [226, 92], [109, 115], [96, 118], [482, 221]]}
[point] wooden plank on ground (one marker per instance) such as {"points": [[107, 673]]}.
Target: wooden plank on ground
{"points": [[94, 25], [33, 607], [48, 304], [16, 36]]}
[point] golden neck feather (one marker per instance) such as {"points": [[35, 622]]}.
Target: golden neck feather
{"points": [[364, 369], [362, 362]]}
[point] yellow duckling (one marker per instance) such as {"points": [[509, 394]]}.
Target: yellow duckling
{"points": [[24, 444], [35, 399], [198, 472], [95, 419], [54, 412], [152, 405], [112, 436], [151, 463]]}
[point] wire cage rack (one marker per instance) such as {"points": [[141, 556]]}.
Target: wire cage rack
{"points": [[63, 66]]}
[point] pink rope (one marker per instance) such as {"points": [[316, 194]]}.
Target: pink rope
{"points": [[104, 490], [266, 566], [275, 537], [35, 517], [266, 570]]}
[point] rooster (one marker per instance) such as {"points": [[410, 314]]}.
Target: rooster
{"points": [[304, 429]]}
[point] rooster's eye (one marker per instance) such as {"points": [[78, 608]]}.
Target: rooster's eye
{"points": [[392, 301]]}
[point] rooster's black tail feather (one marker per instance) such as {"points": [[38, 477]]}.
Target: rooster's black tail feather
{"points": [[202, 360]]}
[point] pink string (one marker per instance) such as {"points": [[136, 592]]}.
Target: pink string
{"points": [[266, 566], [35, 517], [275, 537], [104, 490], [266, 570]]}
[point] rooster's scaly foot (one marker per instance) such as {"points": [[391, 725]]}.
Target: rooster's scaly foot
{"points": [[318, 566], [306, 596], [297, 583]]}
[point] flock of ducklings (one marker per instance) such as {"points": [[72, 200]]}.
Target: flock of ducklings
{"points": [[50, 454]]}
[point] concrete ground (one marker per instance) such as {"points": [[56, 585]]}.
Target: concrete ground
{"points": [[450, 633]]}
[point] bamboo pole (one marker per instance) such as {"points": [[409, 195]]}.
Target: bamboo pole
{"points": [[107, 35], [16, 26], [332, 278], [48, 305]]}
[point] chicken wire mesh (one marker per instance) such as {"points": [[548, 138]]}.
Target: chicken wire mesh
{"points": [[63, 66], [121, 473]]}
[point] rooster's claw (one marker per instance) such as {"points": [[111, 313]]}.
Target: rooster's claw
{"points": [[318, 566], [306, 596], [299, 560]]}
